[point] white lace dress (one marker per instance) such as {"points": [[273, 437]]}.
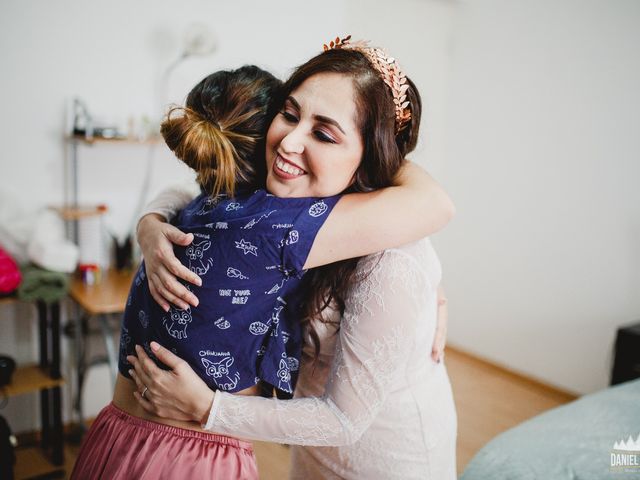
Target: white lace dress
{"points": [[376, 406]]}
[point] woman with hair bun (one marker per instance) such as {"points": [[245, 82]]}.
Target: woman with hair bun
{"points": [[338, 129]]}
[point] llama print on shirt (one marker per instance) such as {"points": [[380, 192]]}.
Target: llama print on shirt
{"points": [[275, 320], [195, 254]]}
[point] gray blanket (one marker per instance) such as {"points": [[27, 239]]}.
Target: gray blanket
{"points": [[574, 441]]}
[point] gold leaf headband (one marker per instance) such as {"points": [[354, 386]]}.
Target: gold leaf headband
{"points": [[388, 69]]}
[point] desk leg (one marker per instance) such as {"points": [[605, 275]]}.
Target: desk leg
{"points": [[43, 329], [51, 400], [57, 438], [55, 340], [81, 329], [112, 355], [45, 420]]}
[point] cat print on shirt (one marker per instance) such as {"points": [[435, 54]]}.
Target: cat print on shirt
{"points": [[195, 254], [220, 372], [177, 322]]}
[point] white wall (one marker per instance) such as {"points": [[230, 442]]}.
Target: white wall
{"points": [[530, 115], [528, 123], [111, 55], [542, 261], [112, 59], [420, 39]]}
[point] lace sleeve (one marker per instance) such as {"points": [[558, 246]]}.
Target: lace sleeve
{"points": [[171, 200], [375, 339]]}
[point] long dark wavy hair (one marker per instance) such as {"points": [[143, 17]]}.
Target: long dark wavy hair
{"points": [[383, 155]]}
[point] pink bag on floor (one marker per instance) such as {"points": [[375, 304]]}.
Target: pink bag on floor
{"points": [[10, 276]]}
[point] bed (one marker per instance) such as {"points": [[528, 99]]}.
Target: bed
{"points": [[579, 440]]}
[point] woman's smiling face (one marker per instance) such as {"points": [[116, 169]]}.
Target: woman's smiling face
{"points": [[314, 145]]}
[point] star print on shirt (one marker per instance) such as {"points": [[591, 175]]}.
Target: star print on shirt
{"points": [[246, 247]]}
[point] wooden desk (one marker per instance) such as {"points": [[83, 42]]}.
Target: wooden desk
{"points": [[104, 299], [108, 296]]}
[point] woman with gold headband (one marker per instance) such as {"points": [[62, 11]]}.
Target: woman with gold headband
{"points": [[370, 402]]}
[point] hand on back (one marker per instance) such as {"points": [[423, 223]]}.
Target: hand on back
{"points": [[156, 238]]}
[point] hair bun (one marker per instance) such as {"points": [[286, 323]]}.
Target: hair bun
{"points": [[187, 134], [219, 131], [203, 146]]}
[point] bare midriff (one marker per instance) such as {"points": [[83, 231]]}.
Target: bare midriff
{"points": [[123, 399]]}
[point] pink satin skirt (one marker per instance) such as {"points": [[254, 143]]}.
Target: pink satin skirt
{"points": [[121, 446]]}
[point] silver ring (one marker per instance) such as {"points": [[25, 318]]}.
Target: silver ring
{"points": [[144, 391]]}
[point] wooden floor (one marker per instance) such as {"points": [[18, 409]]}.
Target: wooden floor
{"points": [[488, 399]]}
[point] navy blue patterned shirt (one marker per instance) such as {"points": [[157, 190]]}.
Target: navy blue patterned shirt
{"points": [[249, 251]]}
